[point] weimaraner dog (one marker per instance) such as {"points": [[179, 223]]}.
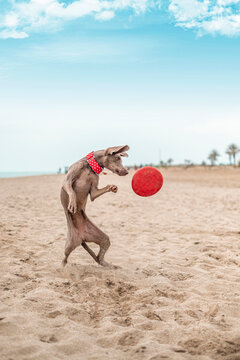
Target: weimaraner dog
{"points": [[82, 179]]}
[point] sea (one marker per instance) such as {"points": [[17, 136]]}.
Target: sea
{"points": [[13, 174]]}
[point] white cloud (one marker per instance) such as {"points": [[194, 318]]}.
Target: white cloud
{"points": [[40, 15], [11, 20], [204, 16], [14, 34], [207, 16], [105, 15], [186, 10]]}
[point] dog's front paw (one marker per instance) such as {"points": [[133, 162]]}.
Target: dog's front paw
{"points": [[112, 188], [72, 206]]}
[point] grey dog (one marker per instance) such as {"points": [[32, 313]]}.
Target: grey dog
{"points": [[82, 179]]}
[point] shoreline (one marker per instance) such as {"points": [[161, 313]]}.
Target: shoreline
{"points": [[18, 174]]}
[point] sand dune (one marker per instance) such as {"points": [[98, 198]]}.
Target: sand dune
{"points": [[176, 295]]}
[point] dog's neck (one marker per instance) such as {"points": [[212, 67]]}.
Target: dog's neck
{"points": [[99, 157]]}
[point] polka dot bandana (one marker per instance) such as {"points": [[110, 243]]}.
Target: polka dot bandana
{"points": [[93, 164]]}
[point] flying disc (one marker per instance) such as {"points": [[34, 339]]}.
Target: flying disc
{"points": [[147, 181]]}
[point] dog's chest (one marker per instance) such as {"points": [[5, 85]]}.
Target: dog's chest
{"points": [[82, 186]]}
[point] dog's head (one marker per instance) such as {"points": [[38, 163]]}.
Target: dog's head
{"points": [[113, 159]]}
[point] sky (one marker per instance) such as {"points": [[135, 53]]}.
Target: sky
{"points": [[76, 76]]}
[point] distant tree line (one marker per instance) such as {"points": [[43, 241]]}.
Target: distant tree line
{"points": [[231, 151]]}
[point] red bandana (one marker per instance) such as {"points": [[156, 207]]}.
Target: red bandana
{"points": [[93, 164]]}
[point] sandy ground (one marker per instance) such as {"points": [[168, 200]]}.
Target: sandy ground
{"points": [[176, 296]]}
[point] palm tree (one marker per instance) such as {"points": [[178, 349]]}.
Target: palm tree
{"points": [[213, 156], [232, 151], [170, 161], [229, 156]]}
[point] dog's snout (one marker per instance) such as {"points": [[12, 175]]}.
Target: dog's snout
{"points": [[123, 172]]}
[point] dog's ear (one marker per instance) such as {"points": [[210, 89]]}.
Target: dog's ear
{"points": [[116, 150], [124, 154]]}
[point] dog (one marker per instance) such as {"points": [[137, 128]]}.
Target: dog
{"points": [[82, 179]]}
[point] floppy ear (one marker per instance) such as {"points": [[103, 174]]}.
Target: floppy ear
{"points": [[116, 150], [124, 154]]}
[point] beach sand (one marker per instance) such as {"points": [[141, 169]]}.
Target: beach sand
{"points": [[176, 296]]}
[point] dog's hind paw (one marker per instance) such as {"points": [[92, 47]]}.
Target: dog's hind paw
{"points": [[64, 262], [109, 266]]}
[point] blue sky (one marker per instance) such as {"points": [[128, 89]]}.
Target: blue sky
{"points": [[160, 76]]}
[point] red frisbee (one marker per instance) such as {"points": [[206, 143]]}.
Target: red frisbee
{"points": [[147, 181]]}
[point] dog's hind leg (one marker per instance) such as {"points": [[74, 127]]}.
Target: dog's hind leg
{"points": [[69, 247], [92, 253], [104, 244], [94, 234], [74, 238]]}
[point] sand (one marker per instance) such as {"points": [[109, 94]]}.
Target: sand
{"points": [[176, 295]]}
